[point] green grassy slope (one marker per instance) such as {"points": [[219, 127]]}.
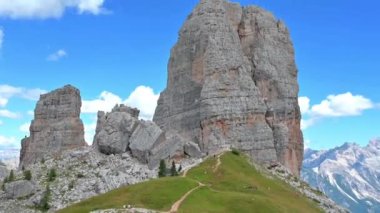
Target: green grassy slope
{"points": [[235, 186]]}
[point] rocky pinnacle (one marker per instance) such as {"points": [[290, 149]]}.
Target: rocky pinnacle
{"points": [[232, 82], [56, 126]]}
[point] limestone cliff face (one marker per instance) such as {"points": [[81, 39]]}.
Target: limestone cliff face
{"points": [[232, 82], [56, 126]]}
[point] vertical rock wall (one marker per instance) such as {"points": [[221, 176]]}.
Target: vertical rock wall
{"points": [[232, 82], [56, 126]]}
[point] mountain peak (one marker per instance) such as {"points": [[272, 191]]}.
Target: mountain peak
{"points": [[347, 174]]}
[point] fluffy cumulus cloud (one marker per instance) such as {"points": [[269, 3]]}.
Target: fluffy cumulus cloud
{"points": [[142, 97], [105, 102], [341, 105], [1, 37], [43, 9], [145, 100], [56, 56]]}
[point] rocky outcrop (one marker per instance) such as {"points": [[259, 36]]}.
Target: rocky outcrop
{"points": [[144, 139], [232, 82], [56, 126], [115, 128], [120, 131], [192, 149], [81, 173], [19, 189]]}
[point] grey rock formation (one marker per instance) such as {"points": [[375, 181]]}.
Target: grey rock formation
{"points": [[19, 189], [120, 131], [56, 126], [146, 136], [81, 173], [232, 82], [114, 129], [192, 149], [170, 147]]}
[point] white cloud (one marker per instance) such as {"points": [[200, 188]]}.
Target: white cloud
{"points": [[8, 114], [91, 6], [32, 94], [341, 105], [105, 102], [3, 102], [57, 55], [142, 97], [89, 132], [7, 141], [304, 103], [7, 92], [25, 128], [145, 100], [43, 9], [1, 37]]}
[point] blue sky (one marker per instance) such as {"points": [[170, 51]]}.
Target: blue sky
{"points": [[117, 51]]}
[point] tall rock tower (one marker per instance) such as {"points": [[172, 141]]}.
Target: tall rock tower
{"points": [[56, 126], [232, 82]]}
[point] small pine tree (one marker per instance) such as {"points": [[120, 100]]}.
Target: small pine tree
{"points": [[180, 168], [11, 176], [173, 170], [162, 169], [27, 175], [52, 175]]}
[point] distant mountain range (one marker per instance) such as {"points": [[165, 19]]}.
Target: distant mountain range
{"points": [[10, 157], [349, 174]]}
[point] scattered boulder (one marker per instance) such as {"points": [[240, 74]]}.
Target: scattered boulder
{"points": [[232, 82], [144, 138], [120, 131], [192, 149], [115, 128], [19, 189], [56, 126], [171, 147]]}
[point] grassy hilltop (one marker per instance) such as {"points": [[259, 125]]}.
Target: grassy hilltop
{"points": [[225, 184]]}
